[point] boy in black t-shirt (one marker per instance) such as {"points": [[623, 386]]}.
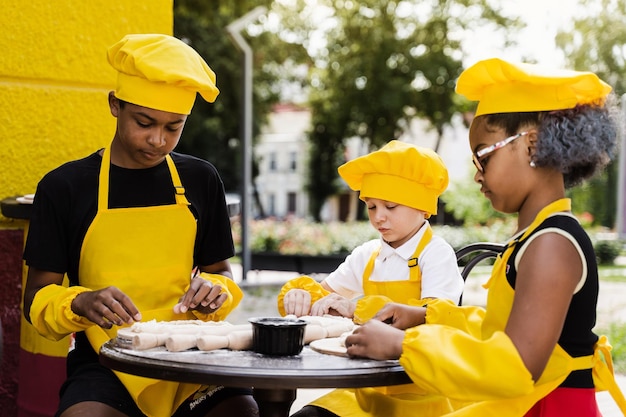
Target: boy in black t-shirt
{"points": [[127, 225]]}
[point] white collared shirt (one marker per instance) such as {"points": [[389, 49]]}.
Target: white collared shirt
{"points": [[440, 274]]}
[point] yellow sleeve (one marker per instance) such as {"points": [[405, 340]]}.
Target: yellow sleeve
{"points": [[51, 312], [367, 307], [438, 310], [230, 288], [466, 318], [450, 362], [303, 283]]}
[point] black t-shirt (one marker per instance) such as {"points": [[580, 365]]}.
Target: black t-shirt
{"points": [[66, 204]]}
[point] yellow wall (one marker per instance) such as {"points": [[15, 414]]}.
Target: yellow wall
{"points": [[54, 80]]}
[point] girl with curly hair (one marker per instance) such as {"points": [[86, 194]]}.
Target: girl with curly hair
{"points": [[532, 350]]}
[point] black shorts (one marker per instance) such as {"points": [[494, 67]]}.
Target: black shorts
{"points": [[89, 381]]}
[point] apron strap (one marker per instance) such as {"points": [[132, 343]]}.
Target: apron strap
{"points": [[428, 235], [603, 376], [564, 204], [370, 264], [103, 184], [178, 186], [412, 262]]}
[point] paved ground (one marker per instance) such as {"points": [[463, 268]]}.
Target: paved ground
{"points": [[261, 288]]}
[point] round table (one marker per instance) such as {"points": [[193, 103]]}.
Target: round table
{"points": [[274, 379]]}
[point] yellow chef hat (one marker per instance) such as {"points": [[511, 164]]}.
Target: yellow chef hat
{"points": [[401, 173], [160, 72], [504, 87]]}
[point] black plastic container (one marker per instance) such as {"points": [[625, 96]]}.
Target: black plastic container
{"points": [[277, 336]]}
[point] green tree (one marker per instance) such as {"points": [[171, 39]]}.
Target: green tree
{"points": [[381, 63], [465, 202], [373, 66], [213, 131], [605, 54]]}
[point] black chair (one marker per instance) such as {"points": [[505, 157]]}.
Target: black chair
{"points": [[469, 256]]}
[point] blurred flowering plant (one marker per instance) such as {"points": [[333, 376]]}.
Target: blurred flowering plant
{"points": [[299, 236], [303, 237]]}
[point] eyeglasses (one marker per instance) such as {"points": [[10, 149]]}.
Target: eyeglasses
{"points": [[476, 157]]}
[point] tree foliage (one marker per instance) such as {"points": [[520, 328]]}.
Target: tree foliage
{"points": [[466, 203], [371, 66], [380, 64], [214, 131]]}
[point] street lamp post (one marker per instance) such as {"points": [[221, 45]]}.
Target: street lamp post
{"points": [[234, 30]]}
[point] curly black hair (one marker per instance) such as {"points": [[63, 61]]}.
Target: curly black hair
{"points": [[579, 142]]}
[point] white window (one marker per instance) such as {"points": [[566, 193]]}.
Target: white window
{"points": [[293, 161], [272, 162], [291, 202], [271, 209]]}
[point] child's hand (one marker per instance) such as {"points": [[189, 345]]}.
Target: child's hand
{"points": [[335, 305], [365, 341], [297, 302], [106, 307], [202, 296], [401, 316]]}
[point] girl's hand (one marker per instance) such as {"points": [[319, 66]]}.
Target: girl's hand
{"points": [[297, 302], [375, 340], [202, 296], [335, 305], [401, 316], [106, 307]]}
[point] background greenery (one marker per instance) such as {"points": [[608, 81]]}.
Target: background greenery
{"points": [[304, 237], [374, 65]]}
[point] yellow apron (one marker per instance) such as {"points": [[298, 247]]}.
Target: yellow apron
{"points": [[398, 291], [561, 364], [505, 391], [378, 293], [146, 252], [398, 400]]}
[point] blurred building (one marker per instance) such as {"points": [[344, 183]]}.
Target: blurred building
{"points": [[282, 152], [282, 156]]}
